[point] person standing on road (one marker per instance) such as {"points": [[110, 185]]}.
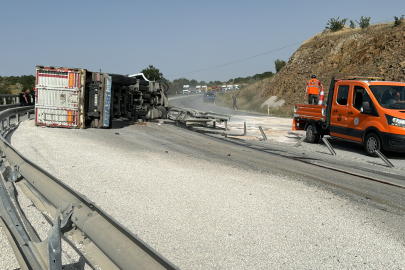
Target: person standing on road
{"points": [[28, 97], [23, 98], [33, 95], [312, 90], [234, 103]]}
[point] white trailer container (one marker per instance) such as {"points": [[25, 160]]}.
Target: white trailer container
{"points": [[57, 101]]}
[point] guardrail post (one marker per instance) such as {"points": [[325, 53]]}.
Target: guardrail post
{"points": [[4, 101], [8, 121], [17, 117], [327, 143], [300, 141], [384, 158], [263, 134], [2, 125]]}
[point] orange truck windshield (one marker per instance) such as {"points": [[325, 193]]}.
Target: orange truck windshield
{"points": [[389, 96]]}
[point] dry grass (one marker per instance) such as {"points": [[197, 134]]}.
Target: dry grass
{"points": [[348, 30]]}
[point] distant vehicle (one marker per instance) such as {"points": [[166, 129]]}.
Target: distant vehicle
{"points": [[204, 88], [198, 89], [230, 87], [186, 89], [223, 88], [214, 88], [236, 87], [209, 97]]}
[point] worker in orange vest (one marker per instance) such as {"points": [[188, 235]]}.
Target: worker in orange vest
{"points": [[312, 90]]}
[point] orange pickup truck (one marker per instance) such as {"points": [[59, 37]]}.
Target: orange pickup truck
{"points": [[366, 110]]}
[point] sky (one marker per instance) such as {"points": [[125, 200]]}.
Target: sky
{"points": [[202, 40]]}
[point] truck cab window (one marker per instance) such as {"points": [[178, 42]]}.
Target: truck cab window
{"points": [[343, 93], [358, 94]]}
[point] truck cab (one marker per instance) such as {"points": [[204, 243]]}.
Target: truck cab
{"points": [[361, 109], [186, 89]]}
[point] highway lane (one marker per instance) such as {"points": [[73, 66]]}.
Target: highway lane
{"points": [[350, 159], [279, 130], [209, 202]]}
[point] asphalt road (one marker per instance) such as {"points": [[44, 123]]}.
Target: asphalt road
{"points": [[209, 202]]}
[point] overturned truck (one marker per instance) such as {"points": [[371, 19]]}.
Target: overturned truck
{"points": [[78, 98]]}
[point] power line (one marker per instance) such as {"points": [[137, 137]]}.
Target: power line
{"points": [[235, 61], [249, 57]]}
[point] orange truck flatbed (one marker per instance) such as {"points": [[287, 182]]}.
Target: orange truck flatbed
{"points": [[360, 109]]}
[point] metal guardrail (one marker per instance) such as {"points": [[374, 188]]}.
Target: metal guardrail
{"points": [[106, 243], [195, 117], [14, 99]]}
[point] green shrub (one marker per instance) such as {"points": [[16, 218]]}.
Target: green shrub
{"points": [[335, 24], [364, 22], [279, 64], [398, 21], [352, 24]]}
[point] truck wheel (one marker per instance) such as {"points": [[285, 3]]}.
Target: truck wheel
{"points": [[372, 143], [310, 134]]}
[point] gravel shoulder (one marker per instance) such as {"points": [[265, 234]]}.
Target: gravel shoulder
{"points": [[202, 203]]}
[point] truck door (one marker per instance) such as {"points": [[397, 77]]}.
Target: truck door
{"points": [[356, 121], [339, 112]]}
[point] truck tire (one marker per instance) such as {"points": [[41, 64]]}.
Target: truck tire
{"points": [[310, 134], [372, 143]]}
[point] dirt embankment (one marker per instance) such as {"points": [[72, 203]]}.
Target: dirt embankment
{"points": [[376, 51]]}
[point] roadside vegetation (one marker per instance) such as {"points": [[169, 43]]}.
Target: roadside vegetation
{"points": [[15, 84]]}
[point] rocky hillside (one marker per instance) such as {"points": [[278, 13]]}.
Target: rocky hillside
{"points": [[378, 50]]}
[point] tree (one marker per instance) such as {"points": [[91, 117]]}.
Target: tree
{"points": [[335, 25], [152, 73], [364, 22], [193, 82], [217, 83], [352, 24], [279, 64], [182, 81], [203, 83]]}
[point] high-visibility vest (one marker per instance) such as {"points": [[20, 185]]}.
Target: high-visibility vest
{"points": [[313, 88]]}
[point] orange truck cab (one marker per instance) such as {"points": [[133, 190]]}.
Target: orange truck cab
{"points": [[366, 110]]}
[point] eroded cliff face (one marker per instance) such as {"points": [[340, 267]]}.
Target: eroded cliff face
{"points": [[376, 51]]}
